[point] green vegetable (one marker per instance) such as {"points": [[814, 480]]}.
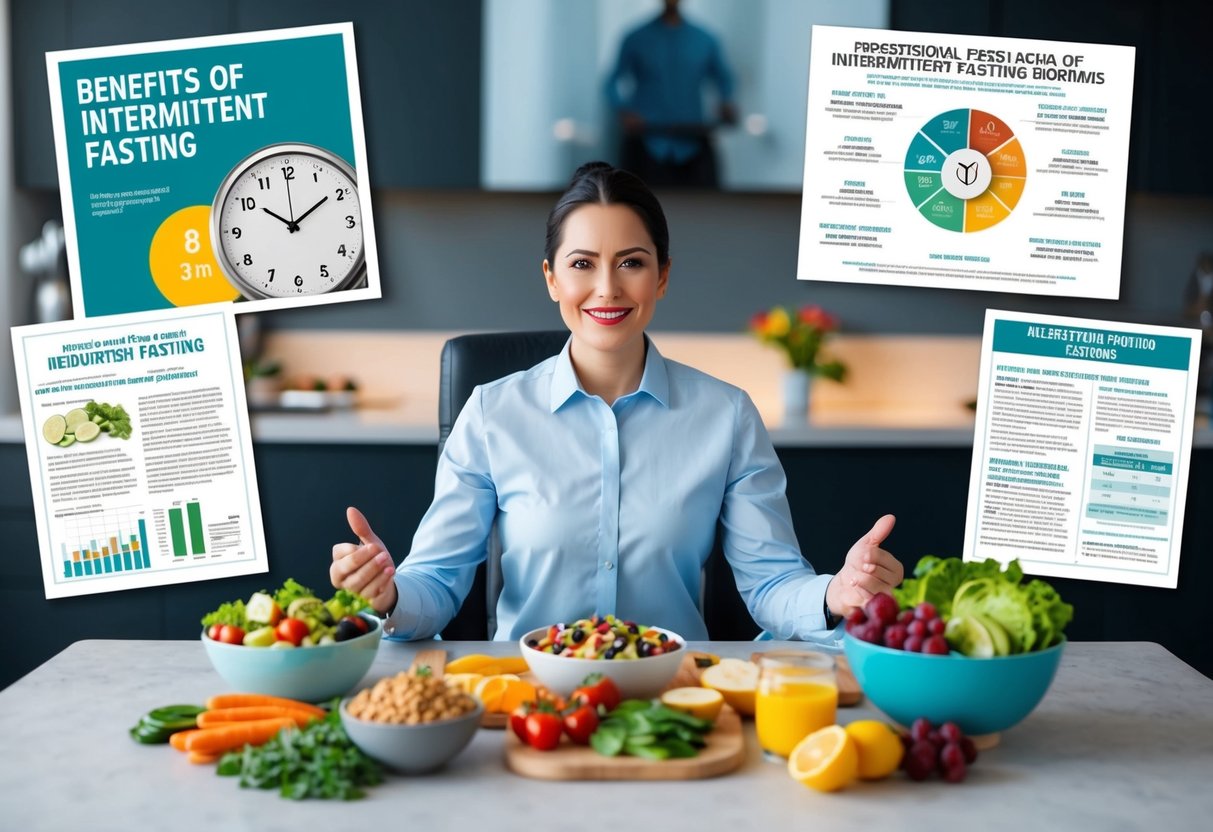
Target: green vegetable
{"points": [[117, 417], [345, 603], [291, 591], [232, 613], [157, 726], [648, 729], [317, 761], [1032, 615]]}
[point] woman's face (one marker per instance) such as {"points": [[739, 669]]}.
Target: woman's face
{"points": [[606, 277]]}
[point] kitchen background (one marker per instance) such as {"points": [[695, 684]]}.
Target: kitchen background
{"points": [[465, 167]]}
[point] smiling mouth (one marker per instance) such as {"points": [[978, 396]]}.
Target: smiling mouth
{"points": [[607, 315]]}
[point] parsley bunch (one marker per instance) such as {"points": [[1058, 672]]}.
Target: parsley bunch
{"points": [[317, 761]]}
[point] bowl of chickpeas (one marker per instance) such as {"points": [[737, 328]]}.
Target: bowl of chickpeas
{"points": [[412, 723]]}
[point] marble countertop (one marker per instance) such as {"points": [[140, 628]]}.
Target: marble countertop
{"points": [[1123, 740]]}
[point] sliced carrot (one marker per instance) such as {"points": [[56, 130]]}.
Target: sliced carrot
{"points": [[211, 718], [231, 737], [245, 700], [199, 758], [177, 739]]}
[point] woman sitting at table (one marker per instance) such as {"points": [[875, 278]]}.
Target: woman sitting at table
{"points": [[607, 466]]}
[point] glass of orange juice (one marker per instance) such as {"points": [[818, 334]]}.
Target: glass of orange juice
{"points": [[797, 694]]}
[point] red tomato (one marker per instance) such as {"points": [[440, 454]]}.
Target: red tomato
{"points": [[292, 630], [213, 631], [580, 723], [543, 730], [597, 690], [518, 720], [231, 634]]}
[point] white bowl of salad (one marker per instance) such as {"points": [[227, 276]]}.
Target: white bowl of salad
{"points": [[291, 643], [640, 659]]}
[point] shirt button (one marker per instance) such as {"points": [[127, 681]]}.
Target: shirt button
{"points": [[608, 565]]}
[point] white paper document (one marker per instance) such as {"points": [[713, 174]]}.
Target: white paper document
{"points": [[140, 458], [1082, 446], [962, 162]]}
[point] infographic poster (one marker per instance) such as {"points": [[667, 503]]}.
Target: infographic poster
{"points": [[211, 170], [962, 162], [1082, 447], [140, 458]]}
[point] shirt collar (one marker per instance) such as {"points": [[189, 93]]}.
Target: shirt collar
{"points": [[655, 381]]}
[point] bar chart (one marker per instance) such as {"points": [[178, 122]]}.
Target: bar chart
{"points": [[105, 543], [178, 524]]}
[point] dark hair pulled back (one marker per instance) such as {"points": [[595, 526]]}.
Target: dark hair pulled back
{"points": [[598, 183]]}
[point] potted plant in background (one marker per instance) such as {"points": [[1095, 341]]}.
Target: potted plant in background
{"points": [[801, 335]]}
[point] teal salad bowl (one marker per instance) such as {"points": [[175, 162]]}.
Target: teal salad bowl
{"points": [[309, 674], [982, 696]]}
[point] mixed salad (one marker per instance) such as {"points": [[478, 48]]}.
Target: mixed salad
{"points": [[605, 637], [291, 617]]}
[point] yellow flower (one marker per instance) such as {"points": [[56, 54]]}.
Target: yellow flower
{"points": [[778, 323]]}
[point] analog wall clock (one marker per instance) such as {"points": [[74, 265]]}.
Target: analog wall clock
{"points": [[287, 222]]}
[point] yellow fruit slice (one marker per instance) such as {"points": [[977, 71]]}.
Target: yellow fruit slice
{"points": [[737, 682], [880, 749], [465, 682], [487, 665], [826, 760], [491, 690], [469, 664], [704, 703], [518, 691]]}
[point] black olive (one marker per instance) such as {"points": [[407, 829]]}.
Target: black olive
{"points": [[663, 638], [609, 654], [532, 642], [645, 648], [620, 643], [557, 648], [633, 629], [578, 635], [346, 630]]}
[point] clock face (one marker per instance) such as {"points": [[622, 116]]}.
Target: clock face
{"points": [[287, 222]]}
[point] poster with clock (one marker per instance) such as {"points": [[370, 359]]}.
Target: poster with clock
{"points": [[228, 169]]}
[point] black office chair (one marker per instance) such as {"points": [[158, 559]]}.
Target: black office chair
{"points": [[469, 360]]}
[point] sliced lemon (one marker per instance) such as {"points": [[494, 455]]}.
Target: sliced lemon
{"points": [[76, 416], [880, 749], [87, 431], [54, 428], [704, 703], [737, 682], [465, 682], [469, 664], [826, 760]]}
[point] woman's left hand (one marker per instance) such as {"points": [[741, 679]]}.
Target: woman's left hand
{"points": [[868, 570]]}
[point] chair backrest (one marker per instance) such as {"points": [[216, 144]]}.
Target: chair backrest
{"points": [[469, 360]]}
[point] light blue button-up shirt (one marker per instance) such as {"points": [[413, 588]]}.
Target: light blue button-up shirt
{"points": [[608, 508]]}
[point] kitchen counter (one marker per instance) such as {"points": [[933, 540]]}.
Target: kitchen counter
{"points": [[1123, 740]]}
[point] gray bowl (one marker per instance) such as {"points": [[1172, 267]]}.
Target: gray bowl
{"points": [[412, 749]]}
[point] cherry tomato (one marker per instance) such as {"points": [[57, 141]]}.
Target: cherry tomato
{"points": [[518, 720], [580, 723], [543, 730], [293, 630], [597, 690], [231, 634], [213, 631]]}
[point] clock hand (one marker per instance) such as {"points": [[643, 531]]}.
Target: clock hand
{"points": [[323, 200], [290, 225]]}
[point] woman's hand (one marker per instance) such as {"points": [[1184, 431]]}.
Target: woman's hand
{"points": [[365, 567], [868, 570]]}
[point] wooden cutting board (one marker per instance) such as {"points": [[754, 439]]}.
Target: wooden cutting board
{"points": [[725, 751]]}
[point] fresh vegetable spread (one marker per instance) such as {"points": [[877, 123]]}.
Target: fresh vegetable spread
{"points": [[605, 637], [291, 617]]}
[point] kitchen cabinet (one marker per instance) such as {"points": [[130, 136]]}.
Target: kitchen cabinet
{"points": [[1171, 119], [836, 494], [418, 65]]}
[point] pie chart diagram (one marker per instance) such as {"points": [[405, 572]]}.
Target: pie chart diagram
{"points": [[965, 170]]}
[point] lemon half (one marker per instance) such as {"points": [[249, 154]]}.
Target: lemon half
{"points": [[826, 760], [737, 681]]}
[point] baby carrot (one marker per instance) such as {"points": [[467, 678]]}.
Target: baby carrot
{"points": [[231, 737], [209, 719], [199, 758], [177, 740], [243, 700]]}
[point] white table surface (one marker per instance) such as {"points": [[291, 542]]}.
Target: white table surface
{"points": [[1123, 740]]}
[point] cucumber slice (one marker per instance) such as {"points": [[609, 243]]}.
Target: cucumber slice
{"points": [[75, 417], [67, 441], [87, 431], [54, 428]]}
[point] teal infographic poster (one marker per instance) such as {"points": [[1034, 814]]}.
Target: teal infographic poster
{"points": [[958, 162], [1082, 447], [214, 170]]}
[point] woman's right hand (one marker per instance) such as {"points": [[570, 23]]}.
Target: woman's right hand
{"points": [[365, 567]]}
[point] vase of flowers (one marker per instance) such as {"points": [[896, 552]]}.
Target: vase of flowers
{"points": [[801, 335]]}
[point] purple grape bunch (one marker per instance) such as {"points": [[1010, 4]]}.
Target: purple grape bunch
{"points": [[916, 630], [945, 750]]}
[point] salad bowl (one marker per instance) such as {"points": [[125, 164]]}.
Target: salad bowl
{"points": [[635, 678]]}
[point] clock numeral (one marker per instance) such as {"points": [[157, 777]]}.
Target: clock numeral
{"points": [[191, 241], [314, 179], [288, 173], [263, 182], [271, 275], [247, 203], [349, 221], [236, 232], [324, 270], [248, 259], [341, 249], [340, 195], [298, 280]]}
